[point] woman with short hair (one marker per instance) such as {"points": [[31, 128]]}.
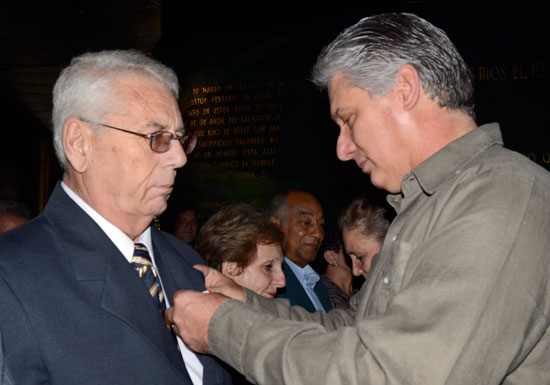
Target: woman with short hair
{"points": [[242, 243]]}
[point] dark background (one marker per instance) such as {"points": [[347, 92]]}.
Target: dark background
{"points": [[505, 47]]}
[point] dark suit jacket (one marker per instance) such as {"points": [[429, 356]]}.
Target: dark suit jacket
{"points": [[75, 312], [297, 295]]}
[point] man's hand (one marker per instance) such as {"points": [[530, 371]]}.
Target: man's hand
{"points": [[217, 282], [190, 316]]}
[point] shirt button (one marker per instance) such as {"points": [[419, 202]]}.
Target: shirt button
{"points": [[386, 280]]}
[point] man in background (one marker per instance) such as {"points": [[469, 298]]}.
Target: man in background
{"points": [[186, 225], [300, 217]]}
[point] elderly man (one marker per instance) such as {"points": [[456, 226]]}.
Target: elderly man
{"points": [[300, 217], [459, 293], [84, 286]]}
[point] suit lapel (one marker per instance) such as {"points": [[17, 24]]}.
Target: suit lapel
{"points": [[295, 291], [95, 260], [126, 297], [168, 259], [299, 295]]}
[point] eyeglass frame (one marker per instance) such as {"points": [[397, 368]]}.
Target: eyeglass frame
{"points": [[181, 139]]}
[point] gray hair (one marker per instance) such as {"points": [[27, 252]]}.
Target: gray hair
{"points": [[84, 88], [370, 53], [371, 220], [278, 205]]}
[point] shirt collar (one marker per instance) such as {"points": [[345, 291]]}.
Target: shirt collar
{"points": [[123, 243], [429, 174], [306, 275]]}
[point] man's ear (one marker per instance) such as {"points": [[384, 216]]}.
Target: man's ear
{"points": [[76, 144], [231, 269], [408, 86]]}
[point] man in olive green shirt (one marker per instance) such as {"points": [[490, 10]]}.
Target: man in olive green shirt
{"points": [[459, 293]]}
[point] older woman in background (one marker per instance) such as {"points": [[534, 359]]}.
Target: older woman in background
{"points": [[364, 227], [243, 244]]}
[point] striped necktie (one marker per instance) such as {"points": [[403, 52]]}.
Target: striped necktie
{"points": [[141, 262]]}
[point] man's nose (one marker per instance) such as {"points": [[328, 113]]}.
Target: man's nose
{"points": [[178, 156], [345, 148], [316, 230]]}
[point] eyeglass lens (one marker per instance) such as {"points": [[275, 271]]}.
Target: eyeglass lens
{"points": [[162, 142], [189, 142]]}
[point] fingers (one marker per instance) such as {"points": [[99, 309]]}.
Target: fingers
{"points": [[190, 316], [168, 316], [169, 319], [217, 282]]}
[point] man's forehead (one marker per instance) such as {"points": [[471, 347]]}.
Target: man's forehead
{"points": [[187, 214], [338, 82], [304, 204], [338, 91], [143, 93]]}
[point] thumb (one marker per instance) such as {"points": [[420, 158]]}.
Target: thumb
{"points": [[203, 269]]}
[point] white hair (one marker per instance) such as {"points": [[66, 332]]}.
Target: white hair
{"points": [[370, 52], [84, 88]]}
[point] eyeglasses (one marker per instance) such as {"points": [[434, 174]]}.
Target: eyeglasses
{"points": [[159, 141]]}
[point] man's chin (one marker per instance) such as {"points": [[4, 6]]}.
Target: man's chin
{"points": [[308, 258], [392, 187], [159, 207]]}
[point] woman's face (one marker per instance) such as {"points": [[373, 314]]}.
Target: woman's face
{"points": [[264, 275], [361, 249]]}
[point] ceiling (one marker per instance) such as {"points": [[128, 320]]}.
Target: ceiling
{"points": [[38, 38]]}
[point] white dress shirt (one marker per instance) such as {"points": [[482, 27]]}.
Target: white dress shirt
{"points": [[126, 247]]}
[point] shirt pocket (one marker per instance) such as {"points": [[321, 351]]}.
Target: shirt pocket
{"points": [[389, 276]]}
